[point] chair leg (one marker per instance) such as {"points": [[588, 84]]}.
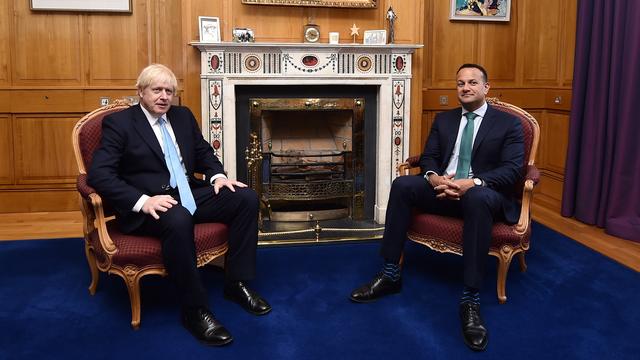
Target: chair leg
{"points": [[133, 287], [504, 260], [93, 268], [523, 263]]}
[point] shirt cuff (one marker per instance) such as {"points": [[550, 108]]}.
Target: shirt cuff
{"points": [[216, 176], [426, 175], [138, 206]]}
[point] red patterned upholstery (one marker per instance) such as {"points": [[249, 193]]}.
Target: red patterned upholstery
{"points": [[107, 249], [444, 234]]}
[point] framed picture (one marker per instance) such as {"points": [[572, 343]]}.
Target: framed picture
{"points": [[334, 37], [480, 10], [365, 4], [375, 37], [209, 29], [82, 5]]}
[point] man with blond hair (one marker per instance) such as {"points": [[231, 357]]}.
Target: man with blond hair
{"points": [[145, 169]]}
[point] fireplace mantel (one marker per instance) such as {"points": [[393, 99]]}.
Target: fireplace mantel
{"points": [[227, 65]]}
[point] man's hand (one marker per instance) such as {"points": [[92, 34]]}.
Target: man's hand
{"points": [[448, 188], [158, 203], [222, 181]]}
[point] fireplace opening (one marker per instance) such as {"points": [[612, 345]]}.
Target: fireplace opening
{"points": [[309, 151], [309, 157]]}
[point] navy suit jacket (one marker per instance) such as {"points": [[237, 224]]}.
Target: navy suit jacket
{"points": [[130, 161], [497, 156]]}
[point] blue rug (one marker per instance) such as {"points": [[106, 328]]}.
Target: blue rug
{"points": [[572, 303]]}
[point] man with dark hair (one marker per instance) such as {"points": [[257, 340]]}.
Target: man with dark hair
{"points": [[145, 169], [470, 163]]}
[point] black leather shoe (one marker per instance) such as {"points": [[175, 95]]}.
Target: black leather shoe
{"points": [[473, 331], [239, 293], [201, 324], [375, 289]]}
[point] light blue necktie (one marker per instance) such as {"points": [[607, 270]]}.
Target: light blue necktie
{"points": [[175, 169], [466, 145]]}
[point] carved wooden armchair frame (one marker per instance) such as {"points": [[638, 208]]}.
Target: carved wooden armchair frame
{"points": [[507, 240], [109, 250]]}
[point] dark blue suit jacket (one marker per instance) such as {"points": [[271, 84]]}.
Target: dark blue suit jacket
{"points": [[497, 156], [130, 161]]}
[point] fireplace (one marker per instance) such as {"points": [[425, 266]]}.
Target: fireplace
{"points": [[309, 150], [233, 75]]}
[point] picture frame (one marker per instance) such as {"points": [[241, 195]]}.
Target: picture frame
{"points": [[209, 29], [480, 10], [361, 4], [375, 37], [123, 6], [334, 37]]}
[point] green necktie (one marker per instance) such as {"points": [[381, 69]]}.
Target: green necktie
{"points": [[466, 145]]}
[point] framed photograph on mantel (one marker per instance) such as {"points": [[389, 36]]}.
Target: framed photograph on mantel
{"points": [[480, 10], [363, 4], [82, 5], [209, 29]]}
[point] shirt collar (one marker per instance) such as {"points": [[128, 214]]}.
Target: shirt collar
{"points": [[152, 120], [479, 111]]}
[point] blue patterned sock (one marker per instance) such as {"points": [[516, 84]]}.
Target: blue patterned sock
{"points": [[391, 270], [470, 295]]}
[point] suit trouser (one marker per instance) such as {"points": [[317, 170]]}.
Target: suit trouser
{"points": [[175, 228], [479, 207]]}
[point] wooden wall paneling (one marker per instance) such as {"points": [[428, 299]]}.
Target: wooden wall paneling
{"points": [[555, 141], [5, 41], [23, 200], [169, 42], [46, 101], [43, 150], [540, 43], [46, 47], [497, 44], [270, 23], [454, 43], [6, 150], [119, 46], [569, 41]]}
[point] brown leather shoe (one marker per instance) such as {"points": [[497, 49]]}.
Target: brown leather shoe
{"points": [[250, 300], [378, 287], [201, 324], [473, 331]]}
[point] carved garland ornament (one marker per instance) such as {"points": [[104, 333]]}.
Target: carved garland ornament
{"points": [[316, 3]]}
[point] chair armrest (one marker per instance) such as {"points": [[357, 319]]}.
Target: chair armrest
{"points": [[83, 187], [531, 179], [97, 218], [532, 174], [410, 163]]}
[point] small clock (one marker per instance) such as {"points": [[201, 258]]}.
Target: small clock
{"points": [[311, 33]]}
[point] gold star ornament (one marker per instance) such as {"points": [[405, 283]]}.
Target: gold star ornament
{"points": [[354, 30]]}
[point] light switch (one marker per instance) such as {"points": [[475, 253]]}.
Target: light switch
{"points": [[104, 101], [558, 100]]}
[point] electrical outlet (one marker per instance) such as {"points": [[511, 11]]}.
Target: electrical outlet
{"points": [[558, 100], [104, 101], [444, 100]]}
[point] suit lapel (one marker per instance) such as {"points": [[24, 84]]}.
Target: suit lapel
{"points": [[485, 128], [142, 126], [452, 134]]}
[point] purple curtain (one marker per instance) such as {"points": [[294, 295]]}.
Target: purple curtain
{"points": [[602, 179]]}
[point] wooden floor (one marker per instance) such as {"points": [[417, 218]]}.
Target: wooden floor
{"points": [[51, 225]]}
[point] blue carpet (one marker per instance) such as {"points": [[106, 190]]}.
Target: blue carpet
{"points": [[572, 303]]}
